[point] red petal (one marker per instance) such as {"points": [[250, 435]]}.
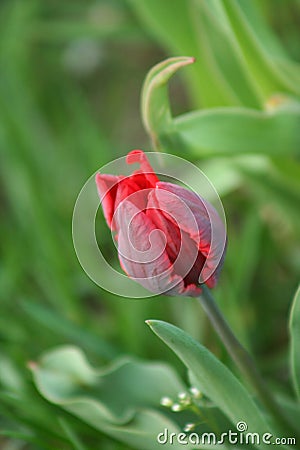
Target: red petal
{"points": [[142, 251], [107, 188], [148, 174], [182, 250], [170, 230], [198, 218], [129, 189]]}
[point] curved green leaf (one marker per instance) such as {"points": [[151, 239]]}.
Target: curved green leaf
{"points": [[295, 342], [214, 379], [263, 68], [156, 111], [122, 400]]}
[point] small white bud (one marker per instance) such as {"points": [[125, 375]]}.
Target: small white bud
{"points": [[189, 427], [166, 401], [195, 392], [182, 395], [184, 399], [176, 407]]}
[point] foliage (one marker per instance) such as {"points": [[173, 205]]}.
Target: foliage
{"points": [[70, 81]]}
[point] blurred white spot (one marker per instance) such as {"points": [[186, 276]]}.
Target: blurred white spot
{"points": [[83, 56]]}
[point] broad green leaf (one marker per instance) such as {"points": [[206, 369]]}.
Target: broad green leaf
{"points": [[230, 131], [65, 373], [260, 65], [173, 24], [122, 400], [257, 22], [295, 342], [270, 44], [156, 111], [225, 59], [214, 379], [239, 61]]}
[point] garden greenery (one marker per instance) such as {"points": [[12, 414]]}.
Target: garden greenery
{"points": [[78, 367]]}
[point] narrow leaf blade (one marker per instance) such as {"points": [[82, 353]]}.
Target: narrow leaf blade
{"points": [[214, 379], [295, 342]]}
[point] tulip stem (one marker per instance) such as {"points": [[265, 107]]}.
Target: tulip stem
{"points": [[242, 358]]}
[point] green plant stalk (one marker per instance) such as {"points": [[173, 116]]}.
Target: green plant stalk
{"points": [[244, 361]]}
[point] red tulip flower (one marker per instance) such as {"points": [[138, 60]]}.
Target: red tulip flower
{"points": [[170, 240]]}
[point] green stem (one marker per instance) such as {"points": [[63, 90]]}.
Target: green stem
{"points": [[243, 359]]}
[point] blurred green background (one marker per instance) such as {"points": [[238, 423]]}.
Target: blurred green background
{"points": [[71, 74]]}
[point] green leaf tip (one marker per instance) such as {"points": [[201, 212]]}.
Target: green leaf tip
{"points": [[152, 322], [155, 105]]}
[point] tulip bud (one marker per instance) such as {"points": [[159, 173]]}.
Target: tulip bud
{"points": [[164, 232]]}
